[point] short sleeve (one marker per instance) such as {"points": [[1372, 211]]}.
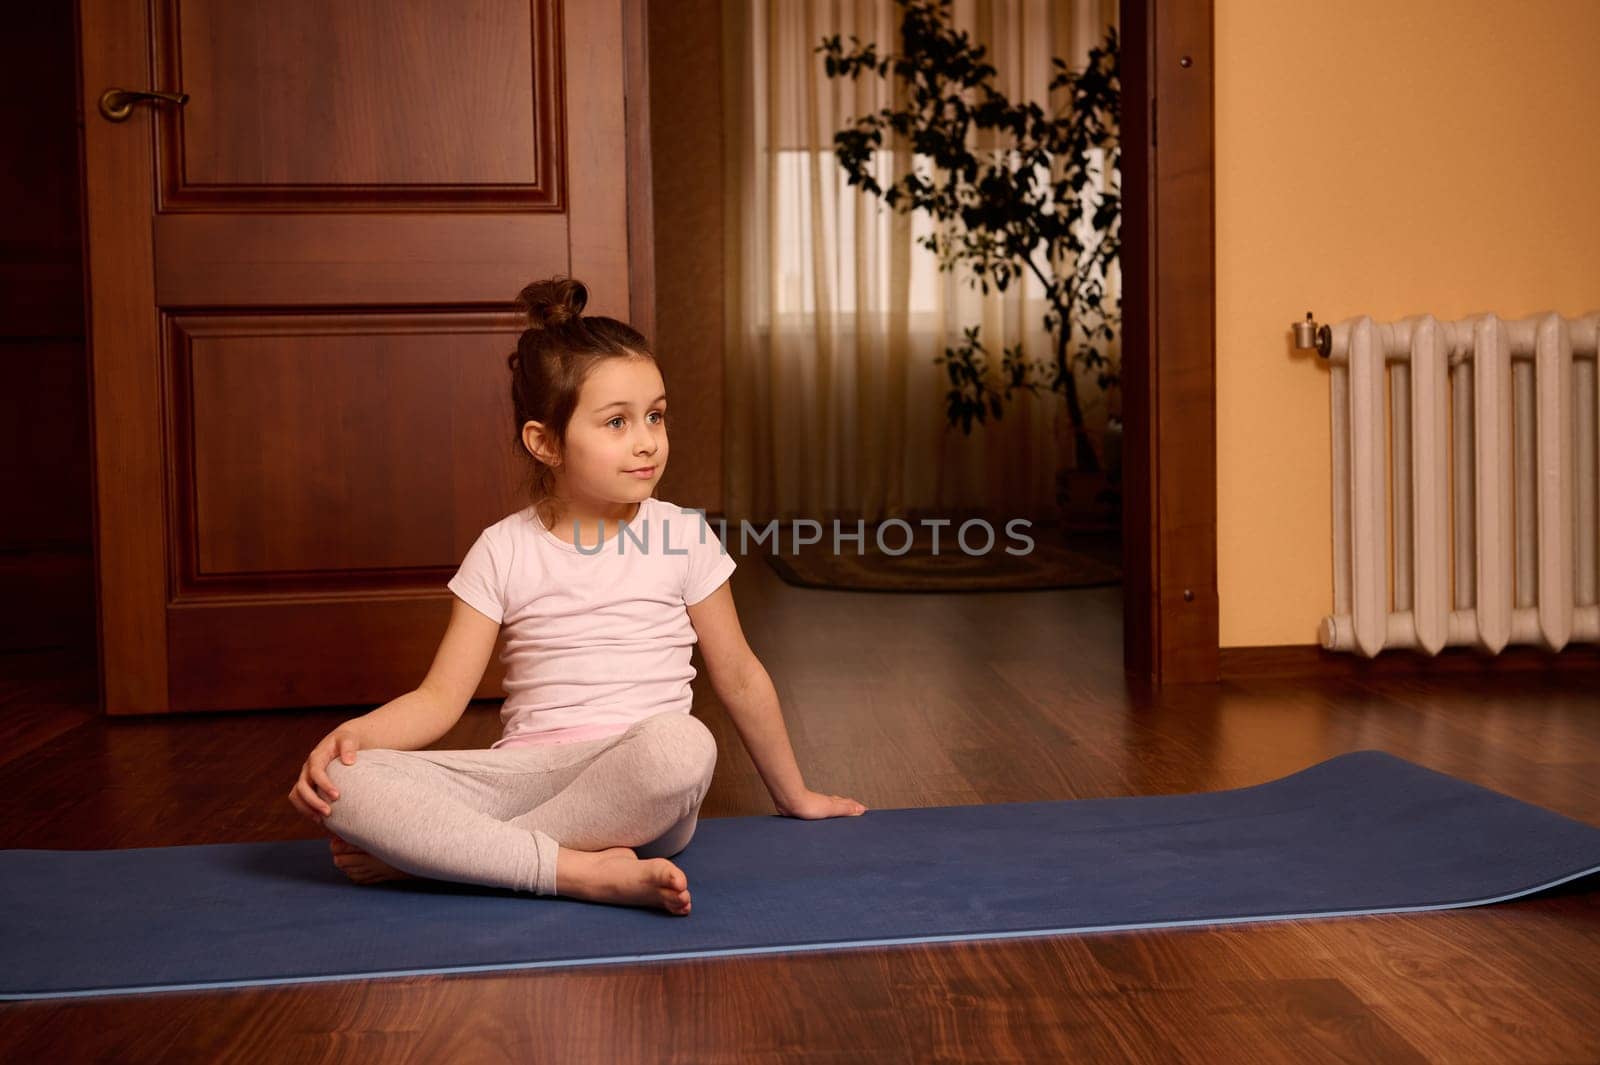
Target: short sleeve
{"points": [[709, 562], [480, 582]]}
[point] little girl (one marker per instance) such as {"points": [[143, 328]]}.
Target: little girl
{"points": [[600, 771]]}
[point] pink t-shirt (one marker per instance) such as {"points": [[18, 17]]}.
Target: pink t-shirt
{"points": [[597, 636]]}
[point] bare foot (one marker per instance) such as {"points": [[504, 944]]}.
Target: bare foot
{"points": [[362, 867], [618, 875]]}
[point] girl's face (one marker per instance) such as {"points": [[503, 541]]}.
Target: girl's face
{"points": [[619, 426]]}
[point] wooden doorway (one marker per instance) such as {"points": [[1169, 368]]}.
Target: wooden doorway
{"points": [[1169, 523], [202, 273]]}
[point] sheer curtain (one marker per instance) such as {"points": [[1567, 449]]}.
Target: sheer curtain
{"points": [[835, 314]]}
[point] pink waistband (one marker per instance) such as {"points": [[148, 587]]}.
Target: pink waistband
{"points": [[574, 734]]}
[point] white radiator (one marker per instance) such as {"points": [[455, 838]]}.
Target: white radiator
{"points": [[1486, 532]]}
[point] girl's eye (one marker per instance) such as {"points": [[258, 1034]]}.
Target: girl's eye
{"points": [[660, 414]]}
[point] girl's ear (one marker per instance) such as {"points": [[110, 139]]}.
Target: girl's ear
{"points": [[534, 439]]}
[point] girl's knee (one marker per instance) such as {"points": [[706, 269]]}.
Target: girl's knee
{"points": [[348, 777], [352, 781], [684, 748], [687, 736]]}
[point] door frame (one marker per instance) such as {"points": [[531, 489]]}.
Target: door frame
{"points": [[641, 199], [1169, 508]]}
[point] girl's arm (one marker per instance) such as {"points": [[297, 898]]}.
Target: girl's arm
{"points": [[742, 684]]}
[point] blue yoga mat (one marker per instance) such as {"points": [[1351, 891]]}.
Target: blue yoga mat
{"points": [[1362, 833]]}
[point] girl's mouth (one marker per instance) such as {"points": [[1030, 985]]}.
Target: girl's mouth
{"points": [[642, 472]]}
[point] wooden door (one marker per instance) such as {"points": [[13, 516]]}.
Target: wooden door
{"points": [[299, 285]]}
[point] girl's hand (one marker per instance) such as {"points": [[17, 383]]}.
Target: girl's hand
{"points": [[813, 806], [341, 744]]}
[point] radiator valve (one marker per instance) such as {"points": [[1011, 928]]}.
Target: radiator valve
{"points": [[1308, 334]]}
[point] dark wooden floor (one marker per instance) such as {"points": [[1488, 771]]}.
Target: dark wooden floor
{"points": [[897, 700]]}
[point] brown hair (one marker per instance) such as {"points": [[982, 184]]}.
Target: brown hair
{"points": [[555, 355]]}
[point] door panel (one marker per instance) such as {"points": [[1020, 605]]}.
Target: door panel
{"points": [[300, 284], [330, 449], [299, 101]]}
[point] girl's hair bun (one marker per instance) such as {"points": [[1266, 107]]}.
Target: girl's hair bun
{"points": [[554, 302]]}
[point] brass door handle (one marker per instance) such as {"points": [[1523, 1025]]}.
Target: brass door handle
{"points": [[117, 104]]}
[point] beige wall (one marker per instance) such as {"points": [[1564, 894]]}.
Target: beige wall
{"points": [[1384, 158]]}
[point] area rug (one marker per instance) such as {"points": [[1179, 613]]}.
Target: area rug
{"points": [[1084, 561]]}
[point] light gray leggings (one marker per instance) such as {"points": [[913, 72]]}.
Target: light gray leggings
{"points": [[496, 817]]}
